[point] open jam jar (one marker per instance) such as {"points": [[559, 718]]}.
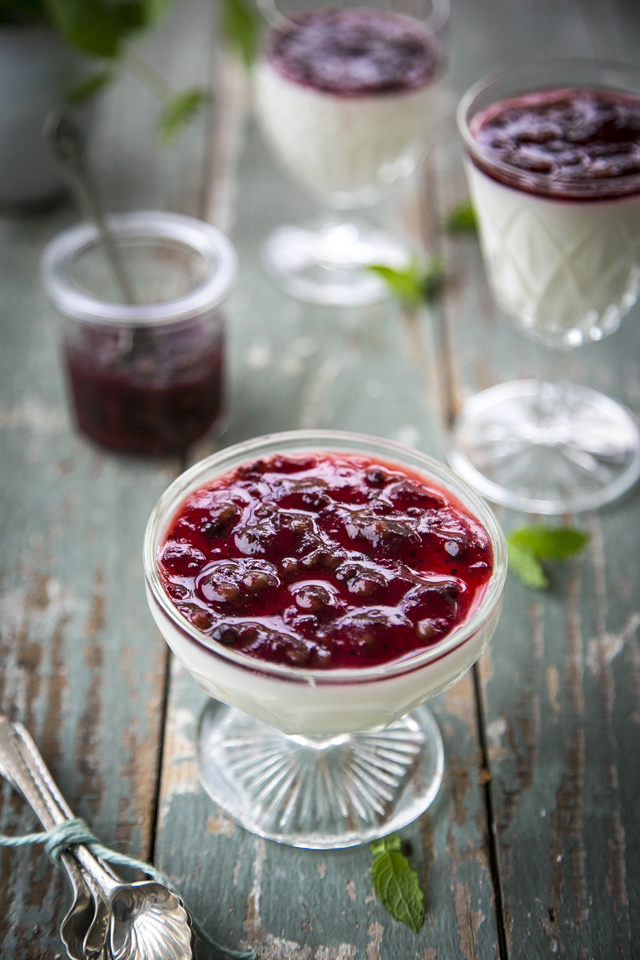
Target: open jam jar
{"points": [[144, 377]]}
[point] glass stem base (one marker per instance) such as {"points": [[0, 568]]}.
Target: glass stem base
{"points": [[326, 261], [320, 792], [546, 448]]}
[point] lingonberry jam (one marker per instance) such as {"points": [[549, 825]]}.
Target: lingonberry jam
{"points": [[324, 561], [570, 140], [149, 395], [354, 52]]}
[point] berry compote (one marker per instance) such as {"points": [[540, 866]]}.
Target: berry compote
{"points": [[572, 140], [146, 394], [354, 52], [324, 560]]}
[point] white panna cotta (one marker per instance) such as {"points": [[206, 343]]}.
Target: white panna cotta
{"points": [[299, 588], [345, 98], [554, 183]]}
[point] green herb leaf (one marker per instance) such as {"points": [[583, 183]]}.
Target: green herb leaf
{"points": [[525, 565], [179, 111], [461, 218], [416, 284], [241, 28], [528, 545], [550, 543], [89, 87], [396, 884], [100, 26]]}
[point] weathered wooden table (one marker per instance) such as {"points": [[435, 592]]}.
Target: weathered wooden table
{"points": [[533, 845]]}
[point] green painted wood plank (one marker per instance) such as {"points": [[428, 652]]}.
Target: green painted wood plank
{"points": [[560, 694], [295, 365], [82, 665]]}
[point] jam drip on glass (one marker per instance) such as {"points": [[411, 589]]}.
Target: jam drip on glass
{"points": [[324, 561], [355, 52], [571, 141]]}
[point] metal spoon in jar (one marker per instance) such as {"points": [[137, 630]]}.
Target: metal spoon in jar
{"points": [[131, 921], [65, 140]]}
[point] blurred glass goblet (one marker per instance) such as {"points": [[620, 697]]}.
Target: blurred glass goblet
{"points": [[344, 95]]}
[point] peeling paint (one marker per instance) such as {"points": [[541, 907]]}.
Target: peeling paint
{"points": [[351, 890], [375, 931], [468, 921], [180, 770], [220, 826]]}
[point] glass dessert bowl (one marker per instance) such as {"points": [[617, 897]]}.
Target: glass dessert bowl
{"points": [[320, 586], [344, 95], [553, 165]]}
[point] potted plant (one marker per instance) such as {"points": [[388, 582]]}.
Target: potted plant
{"points": [[56, 52]]}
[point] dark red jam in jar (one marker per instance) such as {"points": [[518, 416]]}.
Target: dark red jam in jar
{"points": [[150, 392], [563, 142], [355, 52], [325, 560]]}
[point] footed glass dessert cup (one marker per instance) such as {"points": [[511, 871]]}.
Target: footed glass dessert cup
{"points": [[553, 164], [345, 97], [293, 746]]}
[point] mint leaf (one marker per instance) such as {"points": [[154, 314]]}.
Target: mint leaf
{"points": [[528, 545], [550, 543], [241, 27], [396, 884], [461, 218], [100, 26], [414, 285], [179, 111], [524, 563], [392, 842], [88, 87]]}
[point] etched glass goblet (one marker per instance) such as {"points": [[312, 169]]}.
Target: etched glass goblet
{"points": [[294, 749], [344, 95], [553, 165]]}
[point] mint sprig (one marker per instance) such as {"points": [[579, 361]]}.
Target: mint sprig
{"points": [[417, 283], [461, 218], [395, 883], [178, 111], [527, 546], [241, 27]]}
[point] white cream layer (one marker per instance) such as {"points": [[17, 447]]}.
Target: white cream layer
{"points": [[343, 147], [564, 271], [300, 707]]}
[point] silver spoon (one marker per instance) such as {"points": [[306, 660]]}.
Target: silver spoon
{"points": [[65, 140], [139, 921], [79, 917]]}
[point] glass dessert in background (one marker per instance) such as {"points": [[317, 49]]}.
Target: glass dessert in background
{"points": [[345, 98], [320, 586], [147, 377], [553, 164]]}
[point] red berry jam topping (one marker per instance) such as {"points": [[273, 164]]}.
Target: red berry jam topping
{"points": [[355, 52], [324, 561], [566, 143]]}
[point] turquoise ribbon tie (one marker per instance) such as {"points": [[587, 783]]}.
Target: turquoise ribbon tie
{"points": [[71, 832]]}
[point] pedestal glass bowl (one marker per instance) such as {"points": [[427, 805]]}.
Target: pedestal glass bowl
{"points": [[559, 223], [345, 98], [322, 758]]}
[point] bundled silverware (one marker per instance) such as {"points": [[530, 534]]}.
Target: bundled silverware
{"points": [[108, 919]]}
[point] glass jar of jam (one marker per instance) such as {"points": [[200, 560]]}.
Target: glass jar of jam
{"points": [[145, 377]]}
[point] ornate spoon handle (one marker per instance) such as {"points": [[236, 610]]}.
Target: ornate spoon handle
{"points": [[22, 765]]}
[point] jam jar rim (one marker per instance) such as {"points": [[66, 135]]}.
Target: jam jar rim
{"points": [[201, 237]]}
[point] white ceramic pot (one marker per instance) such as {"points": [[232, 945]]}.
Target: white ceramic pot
{"points": [[37, 72]]}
